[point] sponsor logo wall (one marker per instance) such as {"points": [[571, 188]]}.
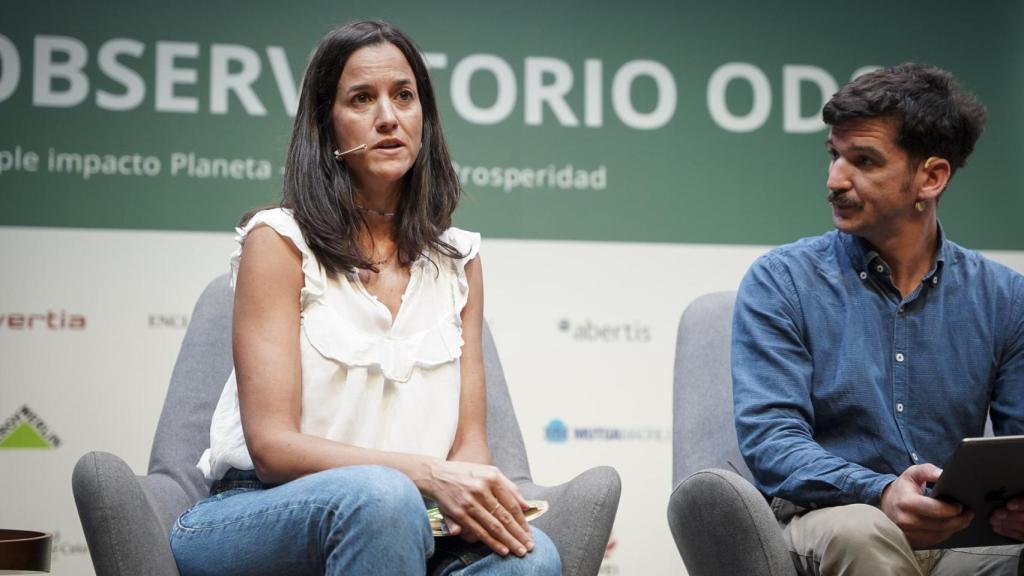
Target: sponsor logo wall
{"points": [[96, 379], [613, 182]]}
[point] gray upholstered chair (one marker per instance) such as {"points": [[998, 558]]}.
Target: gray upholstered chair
{"points": [[127, 518], [721, 524]]}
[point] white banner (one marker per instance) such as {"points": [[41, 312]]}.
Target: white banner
{"points": [[91, 322]]}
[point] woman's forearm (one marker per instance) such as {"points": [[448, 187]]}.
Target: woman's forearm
{"points": [[286, 455], [471, 451]]}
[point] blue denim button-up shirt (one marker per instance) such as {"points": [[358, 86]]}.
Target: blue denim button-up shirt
{"points": [[840, 384]]}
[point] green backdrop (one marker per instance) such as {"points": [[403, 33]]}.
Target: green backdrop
{"points": [[688, 181]]}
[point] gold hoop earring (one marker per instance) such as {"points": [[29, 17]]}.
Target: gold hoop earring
{"points": [[919, 206]]}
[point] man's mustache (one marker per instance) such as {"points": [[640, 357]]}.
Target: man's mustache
{"points": [[841, 200]]}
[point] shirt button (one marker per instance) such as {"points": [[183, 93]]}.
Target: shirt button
{"points": [[935, 280], [899, 407], [900, 310], [863, 275], [914, 456], [899, 356], [879, 269]]}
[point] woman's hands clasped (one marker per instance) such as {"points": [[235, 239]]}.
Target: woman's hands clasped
{"points": [[480, 503]]}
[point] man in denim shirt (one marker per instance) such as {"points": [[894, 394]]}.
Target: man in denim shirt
{"points": [[861, 357]]}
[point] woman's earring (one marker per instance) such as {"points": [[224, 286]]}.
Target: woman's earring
{"points": [[919, 206], [338, 155]]}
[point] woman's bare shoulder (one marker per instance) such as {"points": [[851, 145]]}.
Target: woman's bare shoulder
{"points": [[270, 257]]}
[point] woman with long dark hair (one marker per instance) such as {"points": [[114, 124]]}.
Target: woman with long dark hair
{"points": [[358, 389]]}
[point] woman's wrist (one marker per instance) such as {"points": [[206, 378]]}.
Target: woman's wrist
{"points": [[425, 474]]}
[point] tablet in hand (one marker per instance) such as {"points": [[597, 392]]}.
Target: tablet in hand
{"points": [[983, 474]]}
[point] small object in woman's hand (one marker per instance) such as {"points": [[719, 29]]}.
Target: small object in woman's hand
{"points": [[440, 527]]}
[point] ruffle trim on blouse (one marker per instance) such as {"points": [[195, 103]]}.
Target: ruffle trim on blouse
{"points": [[395, 357], [467, 243], [281, 220]]}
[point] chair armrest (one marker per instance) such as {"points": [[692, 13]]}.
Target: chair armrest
{"points": [[723, 525], [122, 529], [580, 518]]}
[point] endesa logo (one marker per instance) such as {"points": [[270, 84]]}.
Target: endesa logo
{"points": [[590, 331], [609, 566], [557, 432], [50, 320]]}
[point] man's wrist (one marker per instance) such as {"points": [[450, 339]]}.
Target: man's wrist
{"points": [[876, 492]]}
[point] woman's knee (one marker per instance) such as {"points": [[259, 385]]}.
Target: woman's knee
{"points": [[371, 496], [372, 512], [384, 488], [544, 559], [375, 487]]}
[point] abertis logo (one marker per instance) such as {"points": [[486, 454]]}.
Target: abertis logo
{"points": [[591, 331]]}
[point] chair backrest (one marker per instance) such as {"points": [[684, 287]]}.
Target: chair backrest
{"points": [[203, 366], [703, 432]]}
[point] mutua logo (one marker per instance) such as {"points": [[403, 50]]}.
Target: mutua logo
{"points": [[51, 320], [25, 429], [590, 331], [557, 432]]}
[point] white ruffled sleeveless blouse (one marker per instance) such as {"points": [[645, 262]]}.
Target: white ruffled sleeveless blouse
{"points": [[365, 380]]}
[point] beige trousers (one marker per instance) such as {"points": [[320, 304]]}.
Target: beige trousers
{"points": [[859, 540]]}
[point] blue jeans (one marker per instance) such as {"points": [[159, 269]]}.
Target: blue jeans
{"points": [[352, 520]]}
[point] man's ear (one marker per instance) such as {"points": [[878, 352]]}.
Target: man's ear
{"points": [[934, 174]]}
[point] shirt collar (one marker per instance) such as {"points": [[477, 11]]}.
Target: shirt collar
{"points": [[865, 259]]}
